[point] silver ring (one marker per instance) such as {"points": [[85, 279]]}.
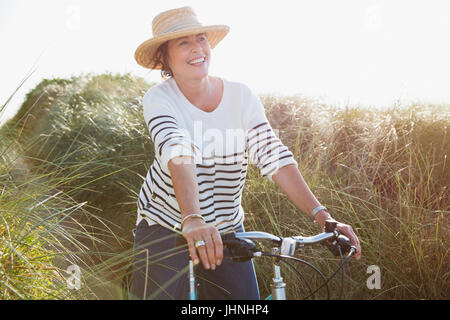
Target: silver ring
{"points": [[199, 243]]}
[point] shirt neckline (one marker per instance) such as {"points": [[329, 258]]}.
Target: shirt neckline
{"points": [[196, 109]]}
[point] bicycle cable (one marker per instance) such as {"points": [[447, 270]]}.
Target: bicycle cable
{"points": [[334, 273], [323, 277], [343, 273], [301, 275], [304, 280], [307, 264]]}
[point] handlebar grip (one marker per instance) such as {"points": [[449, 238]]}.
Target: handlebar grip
{"points": [[241, 250], [181, 241]]}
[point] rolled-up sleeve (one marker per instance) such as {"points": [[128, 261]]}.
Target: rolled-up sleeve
{"points": [[170, 140], [265, 149]]}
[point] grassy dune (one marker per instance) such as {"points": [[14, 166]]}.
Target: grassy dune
{"points": [[78, 150], [384, 172]]}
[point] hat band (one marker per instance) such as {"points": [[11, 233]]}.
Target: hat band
{"points": [[184, 25]]}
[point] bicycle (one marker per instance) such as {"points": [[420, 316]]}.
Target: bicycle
{"points": [[243, 248]]}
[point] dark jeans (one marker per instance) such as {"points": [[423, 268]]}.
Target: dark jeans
{"points": [[160, 270]]}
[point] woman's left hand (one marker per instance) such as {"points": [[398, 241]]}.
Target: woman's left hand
{"points": [[343, 228], [347, 231]]}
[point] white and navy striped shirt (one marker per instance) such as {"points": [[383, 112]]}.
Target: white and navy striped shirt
{"points": [[221, 142]]}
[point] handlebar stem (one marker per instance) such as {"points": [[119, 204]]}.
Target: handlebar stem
{"points": [[192, 291], [278, 286]]}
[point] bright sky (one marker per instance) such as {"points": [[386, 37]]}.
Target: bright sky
{"points": [[368, 52]]}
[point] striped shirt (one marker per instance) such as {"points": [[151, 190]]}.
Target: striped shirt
{"points": [[221, 142]]}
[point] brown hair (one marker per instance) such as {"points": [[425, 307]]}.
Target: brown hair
{"points": [[161, 56]]}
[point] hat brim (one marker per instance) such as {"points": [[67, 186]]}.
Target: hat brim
{"points": [[145, 53]]}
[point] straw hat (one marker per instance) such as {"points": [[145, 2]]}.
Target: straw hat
{"points": [[173, 24]]}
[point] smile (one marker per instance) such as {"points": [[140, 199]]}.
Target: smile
{"points": [[197, 61]]}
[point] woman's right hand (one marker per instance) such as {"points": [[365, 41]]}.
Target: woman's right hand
{"points": [[211, 254]]}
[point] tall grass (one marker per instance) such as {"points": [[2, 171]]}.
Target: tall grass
{"points": [[382, 171], [34, 246], [75, 156], [67, 170]]}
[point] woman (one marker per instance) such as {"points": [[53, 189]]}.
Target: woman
{"points": [[195, 189]]}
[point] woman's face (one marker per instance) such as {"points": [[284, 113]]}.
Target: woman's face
{"points": [[189, 57]]}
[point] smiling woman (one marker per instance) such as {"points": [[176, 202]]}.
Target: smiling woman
{"points": [[162, 54], [190, 55], [196, 191]]}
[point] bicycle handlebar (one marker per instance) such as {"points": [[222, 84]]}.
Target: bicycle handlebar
{"points": [[242, 242], [264, 236], [259, 235], [243, 247]]}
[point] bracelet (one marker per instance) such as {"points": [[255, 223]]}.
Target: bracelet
{"points": [[315, 210], [192, 215]]}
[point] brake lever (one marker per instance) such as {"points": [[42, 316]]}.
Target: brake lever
{"points": [[342, 242]]}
